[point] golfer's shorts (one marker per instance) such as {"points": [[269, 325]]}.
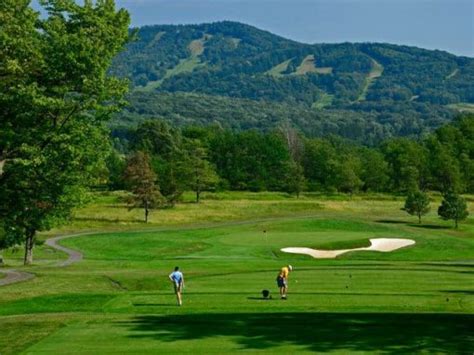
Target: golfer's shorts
{"points": [[177, 287], [281, 282]]}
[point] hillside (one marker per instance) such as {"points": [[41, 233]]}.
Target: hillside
{"points": [[404, 90]]}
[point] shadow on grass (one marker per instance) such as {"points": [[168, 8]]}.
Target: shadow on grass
{"points": [[110, 220], [391, 221], [152, 304], [462, 292], [320, 332], [428, 226]]}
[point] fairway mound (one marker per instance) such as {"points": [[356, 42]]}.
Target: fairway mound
{"points": [[378, 244]]}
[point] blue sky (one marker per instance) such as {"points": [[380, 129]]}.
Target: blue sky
{"points": [[433, 24]]}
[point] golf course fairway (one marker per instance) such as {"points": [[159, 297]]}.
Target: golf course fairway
{"points": [[118, 299]]}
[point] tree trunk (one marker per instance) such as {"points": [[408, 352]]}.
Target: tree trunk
{"points": [[419, 218], [146, 211], [198, 189], [29, 244]]}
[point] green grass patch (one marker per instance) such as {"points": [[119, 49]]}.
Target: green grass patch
{"points": [[324, 101], [452, 74], [323, 70], [376, 72], [462, 107], [17, 334], [57, 303], [279, 69], [184, 66], [308, 65], [196, 47]]}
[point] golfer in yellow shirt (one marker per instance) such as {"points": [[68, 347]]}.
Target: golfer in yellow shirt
{"points": [[282, 280]]}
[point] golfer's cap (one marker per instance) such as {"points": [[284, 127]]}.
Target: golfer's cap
{"points": [[290, 267]]}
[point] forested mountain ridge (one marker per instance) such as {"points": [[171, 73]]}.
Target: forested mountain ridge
{"points": [[400, 90]]}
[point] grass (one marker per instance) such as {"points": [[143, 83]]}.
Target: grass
{"points": [[308, 65], [452, 74], [376, 72], [184, 66], [157, 39], [118, 299], [187, 65], [462, 107], [324, 101], [279, 69], [196, 47]]}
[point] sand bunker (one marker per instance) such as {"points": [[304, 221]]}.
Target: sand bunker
{"points": [[378, 244]]}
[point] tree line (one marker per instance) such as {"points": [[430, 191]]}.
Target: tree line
{"points": [[367, 123], [212, 158]]}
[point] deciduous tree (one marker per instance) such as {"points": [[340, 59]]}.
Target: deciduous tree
{"points": [[417, 203], [55, 96], [453, 207]]}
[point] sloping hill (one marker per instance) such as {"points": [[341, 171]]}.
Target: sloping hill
{"points": [[234, 60]]}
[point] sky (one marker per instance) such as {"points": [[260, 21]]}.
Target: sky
{"points": [[433, 24]]}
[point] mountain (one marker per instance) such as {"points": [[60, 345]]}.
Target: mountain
{"points": [[396, 90]]}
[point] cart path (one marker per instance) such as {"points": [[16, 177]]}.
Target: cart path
{"points": [[14, 276], [74, 256]]}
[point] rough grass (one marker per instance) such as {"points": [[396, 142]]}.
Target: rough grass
{"points": [[462, 107], [278, 70], [118, 299], [187, 65], [236, 42], [324, 101], [376, 72], [157, 39], [323, 70], [452, 74], [308, 65], [184, 66], [196, 47]]}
